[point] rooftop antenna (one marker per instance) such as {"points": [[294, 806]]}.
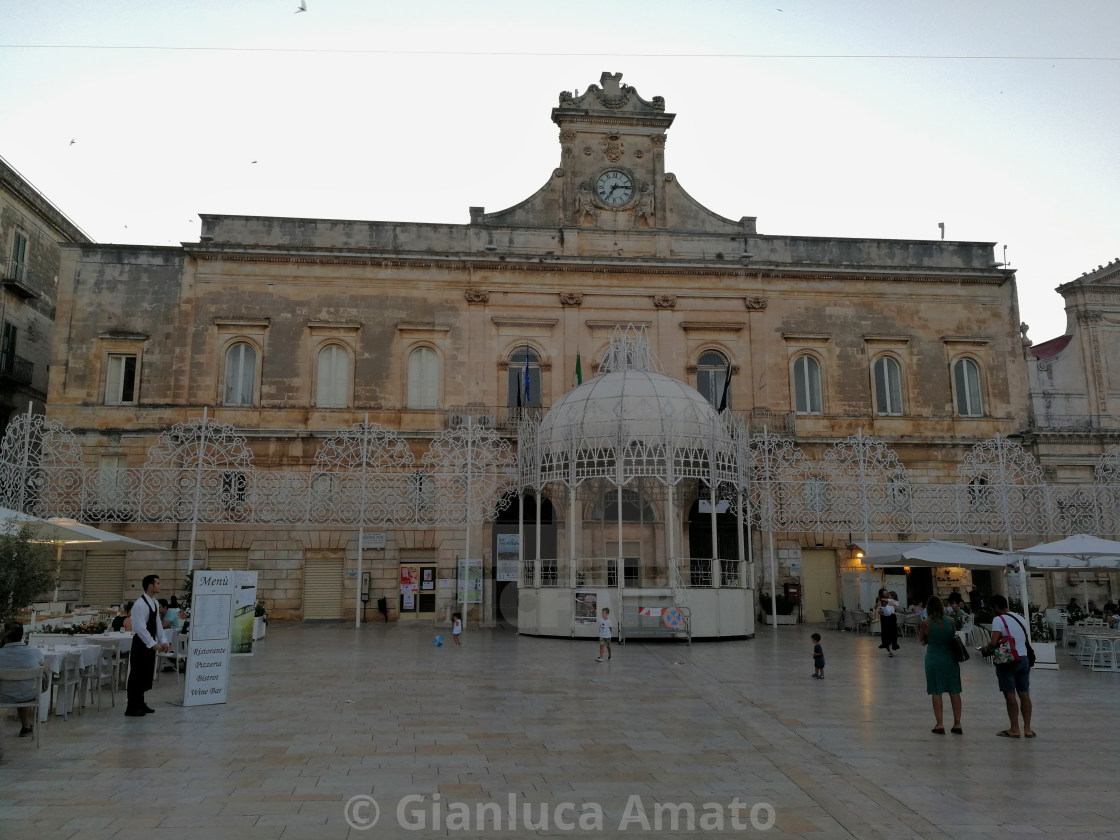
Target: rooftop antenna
{"points": [[1005, 265], [942, 226]]}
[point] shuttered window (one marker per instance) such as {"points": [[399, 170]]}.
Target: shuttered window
{"points": [[237, 559], [103, 582], [322, 587], [423, 378], [333, 378]]}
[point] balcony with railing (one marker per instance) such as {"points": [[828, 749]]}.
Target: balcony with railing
{"points": [[19, 279], [16, 368], [1067, 423]]}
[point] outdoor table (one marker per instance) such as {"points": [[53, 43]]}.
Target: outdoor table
{"points": [[123, 639], [90, 655]]}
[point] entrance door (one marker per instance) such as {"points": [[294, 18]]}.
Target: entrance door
{"points": [[820, 585], [418, 590]]}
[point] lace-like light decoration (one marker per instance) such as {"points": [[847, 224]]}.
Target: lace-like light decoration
{"points": [[629, 350]]}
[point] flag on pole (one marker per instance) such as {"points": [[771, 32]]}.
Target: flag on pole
{"points": [[726, 388], [579, 373]]}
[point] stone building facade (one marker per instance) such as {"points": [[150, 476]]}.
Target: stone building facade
{"points": [[31, 229], [1074, 416], [290, 329]]}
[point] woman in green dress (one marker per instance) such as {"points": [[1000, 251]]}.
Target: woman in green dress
{"points": [[943, 674]]}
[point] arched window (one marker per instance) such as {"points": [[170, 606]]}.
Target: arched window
{"points": [[807, 385], [241, 374], [332, 381], [521, 390], [423, 378], [711, 374], [888, 387], [966, 383]]}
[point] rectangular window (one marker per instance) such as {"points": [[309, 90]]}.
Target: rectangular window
{"points": [[17, 266], [120, 379]]}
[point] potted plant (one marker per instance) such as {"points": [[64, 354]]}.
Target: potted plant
{"points": [[260, 621], [26, 571], [784, 609], [1042, 640]]}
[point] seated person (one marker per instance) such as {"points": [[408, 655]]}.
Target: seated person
{"points": [[14, 654], [174, 618], [164, 621], [1091, 608], [123, 620], [1073, 606]]}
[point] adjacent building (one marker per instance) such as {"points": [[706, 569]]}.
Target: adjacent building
{"points": [[31, 229]]}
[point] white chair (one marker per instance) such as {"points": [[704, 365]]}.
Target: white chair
{"points": [[177, 654], [118, 661], [834, 619], [95, 676], [41, 678], [67, 683]]}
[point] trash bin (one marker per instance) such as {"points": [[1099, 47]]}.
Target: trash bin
{"points": [[383, 608]]}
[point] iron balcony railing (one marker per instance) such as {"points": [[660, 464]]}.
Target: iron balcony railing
{"points": [[17, 368]]}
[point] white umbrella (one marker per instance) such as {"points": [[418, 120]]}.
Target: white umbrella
{"points": [[62, 532], [944, 553], [1081, 551]]}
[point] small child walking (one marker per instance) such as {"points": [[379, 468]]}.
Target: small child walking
{"points": [[456, 627], [818, 657], [605, 634]]}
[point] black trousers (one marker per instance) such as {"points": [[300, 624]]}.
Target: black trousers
{"points": [[888, 627], [141, 671]]}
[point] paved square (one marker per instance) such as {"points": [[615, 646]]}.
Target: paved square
{"points": [[324, 713]]}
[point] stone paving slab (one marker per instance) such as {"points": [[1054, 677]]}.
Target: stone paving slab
{"points": [[525, 730]]}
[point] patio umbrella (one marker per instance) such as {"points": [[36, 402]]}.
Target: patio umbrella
{"points": [[62, 532], [1081, 551]]}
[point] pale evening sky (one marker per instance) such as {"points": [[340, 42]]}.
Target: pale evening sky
{"points": [[862, 118]]}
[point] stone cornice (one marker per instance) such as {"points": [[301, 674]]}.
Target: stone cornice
{"points": [[592, 265]]}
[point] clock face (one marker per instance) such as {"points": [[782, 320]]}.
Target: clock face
{"points": [[614, 188]]}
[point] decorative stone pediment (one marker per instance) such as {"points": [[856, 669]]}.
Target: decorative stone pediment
{"points": [[611, 95]]}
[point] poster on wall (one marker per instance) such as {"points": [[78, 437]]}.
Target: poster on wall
{"points": [[210, 639], [508, 551], [427, 580], [470, 581], [244, 612], [586, 604]]}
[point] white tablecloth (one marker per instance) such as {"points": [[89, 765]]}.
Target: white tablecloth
{"points": [[90, 655]]}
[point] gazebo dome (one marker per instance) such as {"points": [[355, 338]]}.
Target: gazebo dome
{"points": [[643, 405]]}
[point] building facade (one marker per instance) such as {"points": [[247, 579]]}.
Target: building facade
{"points": [[289, 330], [31, 229]]}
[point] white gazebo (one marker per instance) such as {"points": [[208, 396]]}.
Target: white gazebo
{"points": [[623, 457]]}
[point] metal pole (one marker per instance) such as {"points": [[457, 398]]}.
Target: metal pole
{"points": [[361, 521], [197, 489], [23, 462]]}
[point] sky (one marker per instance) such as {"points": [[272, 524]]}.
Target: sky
{"points": [[861, 118]]}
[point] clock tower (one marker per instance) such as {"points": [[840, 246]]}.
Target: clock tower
{"points": [[612, 177], [612, 160]]}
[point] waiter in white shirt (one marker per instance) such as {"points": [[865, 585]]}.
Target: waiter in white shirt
{"points": [[148, 638]]}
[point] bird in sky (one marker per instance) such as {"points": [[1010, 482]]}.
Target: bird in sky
{"points": [[72, 141], [302, 6]]}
